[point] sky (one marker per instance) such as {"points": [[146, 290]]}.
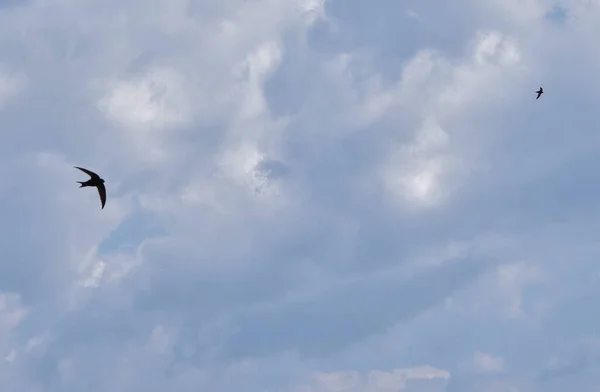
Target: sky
{"points": [[303, 196]]}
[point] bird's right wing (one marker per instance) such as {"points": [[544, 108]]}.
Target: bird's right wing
{"points": [[102, 193], [88, 172]]}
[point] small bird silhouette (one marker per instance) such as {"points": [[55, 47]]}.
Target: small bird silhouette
{"points": [[539, 93], [96, 181]]}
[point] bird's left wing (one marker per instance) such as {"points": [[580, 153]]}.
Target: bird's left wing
{"points": [[102, 193], [88, 172]]}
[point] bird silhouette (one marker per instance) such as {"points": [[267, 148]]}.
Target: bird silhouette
{"points": [[96, 181], [539, 93]]}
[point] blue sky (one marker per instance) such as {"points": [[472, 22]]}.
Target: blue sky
{"points": [[303, 196]]}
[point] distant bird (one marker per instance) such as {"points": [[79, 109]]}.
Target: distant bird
{"points": [[539, 93], [96, 181]]}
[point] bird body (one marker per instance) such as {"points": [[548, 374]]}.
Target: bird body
{"points": [[95, 181], [539, 93]]}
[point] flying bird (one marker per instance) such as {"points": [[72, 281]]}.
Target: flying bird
{"points": [[96, 181], [539, 93]]}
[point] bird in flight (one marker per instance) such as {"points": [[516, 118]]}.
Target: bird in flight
{"points": [[96, 181], [539, 93]]}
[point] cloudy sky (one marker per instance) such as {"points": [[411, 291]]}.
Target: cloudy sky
{"points": [[303, 196]]}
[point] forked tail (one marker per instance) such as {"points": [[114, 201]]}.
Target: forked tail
{"points": [[82, 184]]}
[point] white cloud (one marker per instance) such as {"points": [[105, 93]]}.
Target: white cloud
{"points": [[157, 100], [11, 311], [487, 363], [375, 380], [512, 279], [95, 275], [414, 172]]}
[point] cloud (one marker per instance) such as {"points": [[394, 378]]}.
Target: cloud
{"points": [[487, 363], [377, 380], [300, 193]]}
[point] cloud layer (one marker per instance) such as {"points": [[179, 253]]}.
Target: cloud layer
{"points": [[303, 195]]}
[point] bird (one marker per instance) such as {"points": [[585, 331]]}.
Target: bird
{"points": [[539, 93], [96, 181]]}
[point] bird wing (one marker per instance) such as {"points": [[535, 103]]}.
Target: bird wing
{"points": [[102, 193], [88, 172]]}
